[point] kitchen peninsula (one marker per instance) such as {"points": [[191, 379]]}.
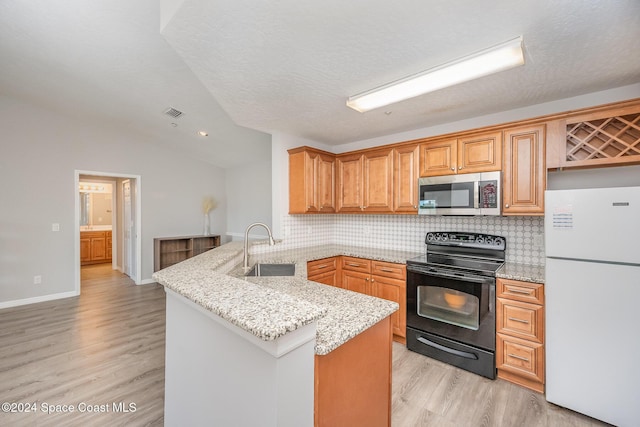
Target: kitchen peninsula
{"points": [[274, 350]]}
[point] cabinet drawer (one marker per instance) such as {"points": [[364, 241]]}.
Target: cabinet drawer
{"points": [[520, 291], [92, 234], [520, 319], [327, 277], [389, 269], [520, 357], [356, 264], [321, 266]]}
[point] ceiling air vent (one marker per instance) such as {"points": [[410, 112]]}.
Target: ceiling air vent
{"points": [[172, 112]]}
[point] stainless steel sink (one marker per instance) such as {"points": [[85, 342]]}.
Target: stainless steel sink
{"points": [[272, 270]]}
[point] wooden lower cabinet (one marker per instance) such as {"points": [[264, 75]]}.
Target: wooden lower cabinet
{"points": [[380, 279], [386, 280], [324, 271], [353, 382], [520, 333], [95, 247], [394, 290]]}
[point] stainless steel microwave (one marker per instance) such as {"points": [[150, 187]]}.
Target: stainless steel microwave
{"points": [[461, 194]]}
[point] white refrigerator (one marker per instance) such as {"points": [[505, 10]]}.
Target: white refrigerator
{"points": [[592, 301]]}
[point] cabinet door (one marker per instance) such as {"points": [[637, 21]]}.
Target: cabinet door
{"points": [[303, 196], [480, 153], [326, 183], [85, 249], [378, 180], [350, 181], [98, 248], [524, 171], [438, 158], [405, 179], [393, 290], [356, 281]]}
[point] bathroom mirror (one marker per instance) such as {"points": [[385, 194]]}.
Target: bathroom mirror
{"points": [[95, 209]]}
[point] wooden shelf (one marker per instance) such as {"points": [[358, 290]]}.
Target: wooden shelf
{"points": [[168, 251]]}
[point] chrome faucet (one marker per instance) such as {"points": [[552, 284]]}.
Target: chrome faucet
{"points": [[245, 261]]}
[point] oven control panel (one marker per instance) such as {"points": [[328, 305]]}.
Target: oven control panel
{"points": [[468, 240]]}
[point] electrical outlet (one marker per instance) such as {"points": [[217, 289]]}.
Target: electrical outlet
{"points": [[37, 280], [55, 227]]}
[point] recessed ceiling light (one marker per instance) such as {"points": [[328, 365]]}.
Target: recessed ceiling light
{"points": [[488, 61], [203, 133], [175, 125]]}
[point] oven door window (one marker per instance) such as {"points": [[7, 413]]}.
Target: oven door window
{"points": [[447, 196], [449, 306]]}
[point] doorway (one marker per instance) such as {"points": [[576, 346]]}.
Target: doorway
{"points": [[126, 240]]}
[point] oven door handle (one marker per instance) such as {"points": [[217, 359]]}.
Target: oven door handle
{"points": [[464, 354], [462, 277]]}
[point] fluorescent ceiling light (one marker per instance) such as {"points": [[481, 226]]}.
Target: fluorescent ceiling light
{"points": [[488, 61]]}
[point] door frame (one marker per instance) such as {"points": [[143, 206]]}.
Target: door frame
{"points": [[138, 221]]}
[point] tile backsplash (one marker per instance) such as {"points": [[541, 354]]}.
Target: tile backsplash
{"points": [[524, 235]]}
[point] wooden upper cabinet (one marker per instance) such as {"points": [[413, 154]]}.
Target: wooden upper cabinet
{"points": [[480, 153], [350, 182], [524, 171], [405, 178], [378, 180], [474, 153], [439, 158], [326, 183], [311, 181]]}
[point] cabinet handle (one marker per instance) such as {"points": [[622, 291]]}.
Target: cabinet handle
{"points": [[373, 280], [352, 264], [515, 356], [460, 168], [367, 279], [518, 320], [506, 206], [322, 266], [518, 291], [386, 270], [415, 207], [453, 168]]}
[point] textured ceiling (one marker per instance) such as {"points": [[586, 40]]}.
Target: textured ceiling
{"points": [[288, 66]]}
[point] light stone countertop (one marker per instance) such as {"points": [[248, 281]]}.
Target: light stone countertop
{"points": [[522, 272], [269, 307]]}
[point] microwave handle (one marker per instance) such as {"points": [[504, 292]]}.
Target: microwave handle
{"points": [[476, 195]]}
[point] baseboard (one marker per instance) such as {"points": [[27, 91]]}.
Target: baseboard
{"points": [[146, 282], [34, 300]]}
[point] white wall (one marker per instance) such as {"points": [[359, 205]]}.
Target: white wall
{"points": [[249, 195], [37, 146]]}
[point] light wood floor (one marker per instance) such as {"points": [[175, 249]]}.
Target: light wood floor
{"points": [[108, 346]]}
